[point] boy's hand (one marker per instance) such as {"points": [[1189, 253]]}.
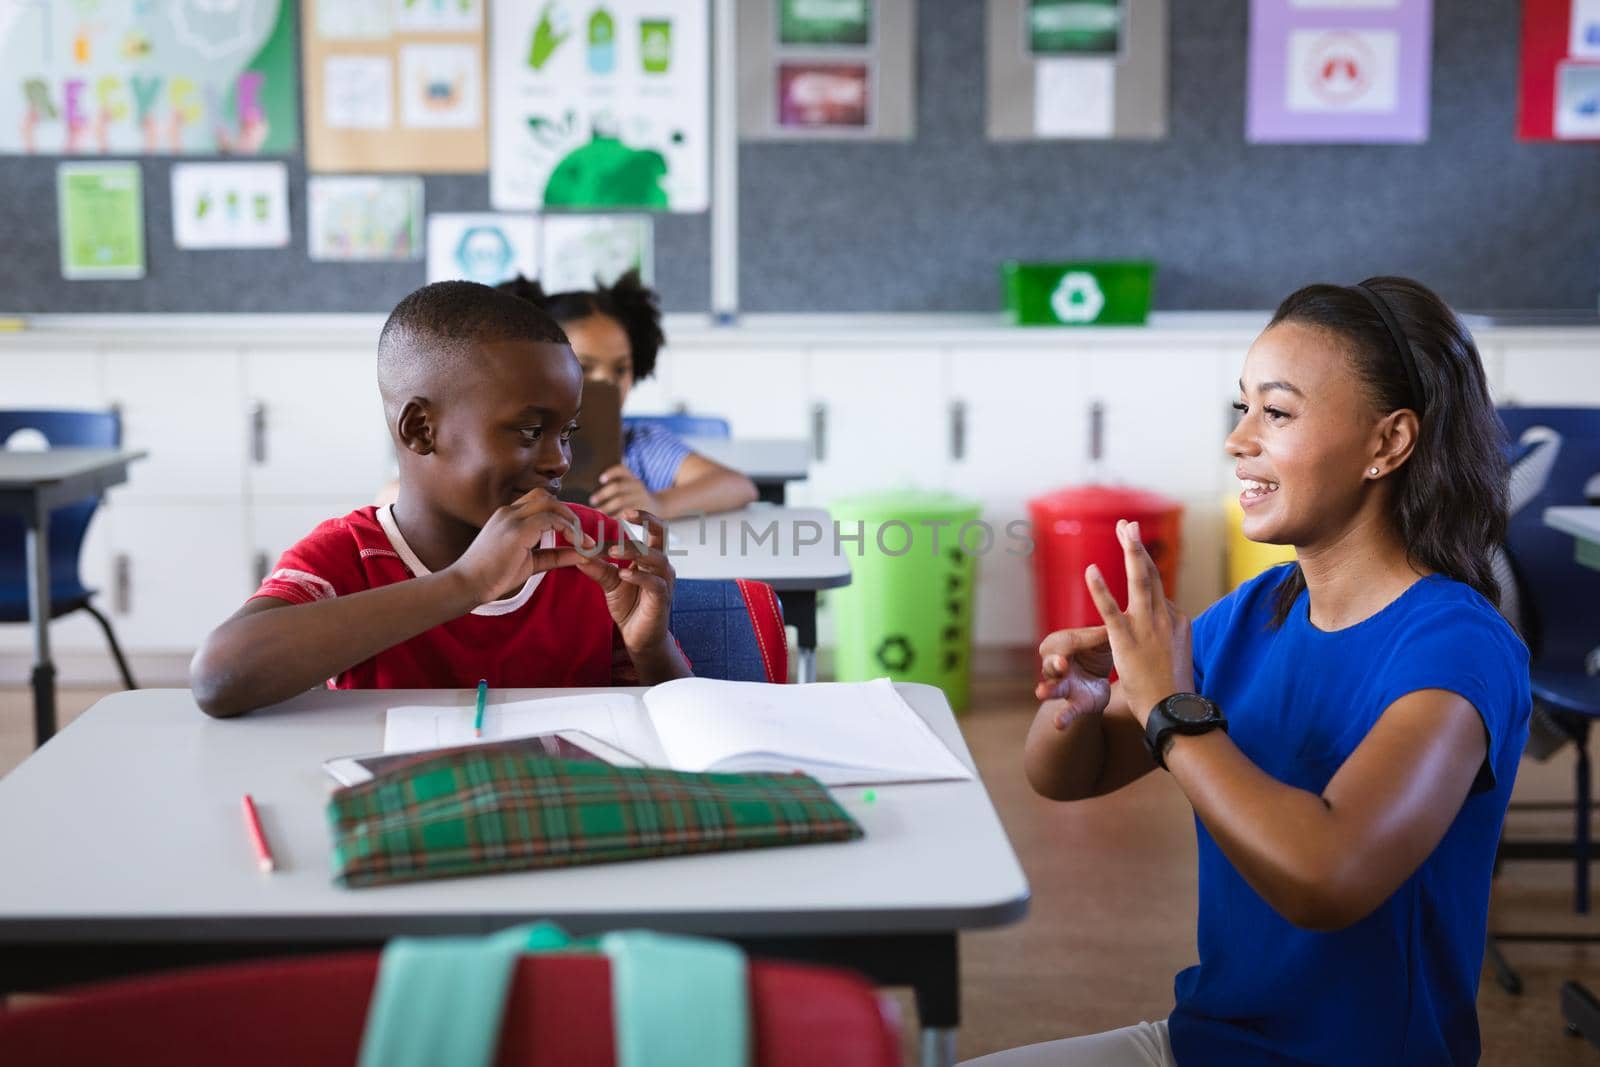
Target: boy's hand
{"points": [[620, 491], [640, 594], [1075, 672], [506, 552]]}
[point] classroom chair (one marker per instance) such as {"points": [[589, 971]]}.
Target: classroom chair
{"points": [[311, 1011], [1551, 598], [731, 629], [83, 429], [683, 424]]}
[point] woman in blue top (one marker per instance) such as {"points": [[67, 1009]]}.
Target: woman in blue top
{"points": [[616, 333], [1347, 727]]}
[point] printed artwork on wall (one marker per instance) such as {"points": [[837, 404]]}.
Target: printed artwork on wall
{"points": [[579, 251], [86, 77], [600, 105], [1346, 71], [364, 218], [395, 86], [100, 212], [1560, 81], [230, 205], [482, 247]]}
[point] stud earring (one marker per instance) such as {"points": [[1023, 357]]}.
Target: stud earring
{"points": [[1372, 471]]}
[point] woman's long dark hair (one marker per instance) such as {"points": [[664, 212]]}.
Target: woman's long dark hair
{"points": [[632, 303], [1449, 497]]}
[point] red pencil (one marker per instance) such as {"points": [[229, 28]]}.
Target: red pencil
{"points": [[258, 837]]}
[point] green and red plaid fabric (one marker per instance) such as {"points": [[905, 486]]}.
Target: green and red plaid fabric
{"points": [[491, 808]]}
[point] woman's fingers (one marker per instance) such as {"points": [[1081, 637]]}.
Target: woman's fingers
{"points": [[1059, 648], [1142, 597], [1104, 602], [1158, 593]]}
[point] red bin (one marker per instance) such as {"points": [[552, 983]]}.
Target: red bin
{"points": [[1075, 527]]}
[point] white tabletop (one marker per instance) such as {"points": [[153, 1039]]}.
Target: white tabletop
{"points": [[762, 458], [1580, 522], [127, 825], [26, 469], [763, 542]]}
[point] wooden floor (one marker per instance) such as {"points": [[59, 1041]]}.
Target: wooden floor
{"points": [[1112, 917]]}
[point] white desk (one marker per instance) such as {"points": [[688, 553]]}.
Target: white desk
{"points": [[32, 484], [124, 850], [1583, 523], [791, 549], [770, 462]]}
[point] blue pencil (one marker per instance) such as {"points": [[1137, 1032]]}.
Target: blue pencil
{"points": [[483, 694]]}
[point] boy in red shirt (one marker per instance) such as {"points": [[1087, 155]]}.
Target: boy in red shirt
{"points": [[477, 570]]}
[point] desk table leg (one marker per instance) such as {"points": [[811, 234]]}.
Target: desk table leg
{"points": [[800, 611], [37, 546], [938, 1047], [771, 492]]}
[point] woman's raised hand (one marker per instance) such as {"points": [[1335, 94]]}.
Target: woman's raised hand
{"points": [[1150, 641]]}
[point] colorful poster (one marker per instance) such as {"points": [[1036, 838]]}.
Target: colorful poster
{"points": [[181, 77], [395, 86], [580, 251], [230, 205], [1560, 90], [813, 95], [1074, 27], [100, 207], [482, 247], [824, 22], [600, 107], [364, 218], [1349, 71]]}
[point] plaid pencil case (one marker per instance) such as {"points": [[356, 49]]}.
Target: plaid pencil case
{"points": [[489, 808]]}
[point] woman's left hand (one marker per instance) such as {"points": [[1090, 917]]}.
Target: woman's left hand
{"points": [[620, 491], [639, 596], [1149, 641]]}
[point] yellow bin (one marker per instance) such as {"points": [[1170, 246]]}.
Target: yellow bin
{"points": [[1247, 558]]}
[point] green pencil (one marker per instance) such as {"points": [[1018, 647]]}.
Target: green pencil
{"points": [[483, 694]]}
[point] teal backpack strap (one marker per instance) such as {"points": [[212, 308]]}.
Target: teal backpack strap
{"points": [[678, 1001], [440, 999]]}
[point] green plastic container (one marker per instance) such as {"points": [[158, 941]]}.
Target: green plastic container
{"points": [[1099, 293], [907, 612]]}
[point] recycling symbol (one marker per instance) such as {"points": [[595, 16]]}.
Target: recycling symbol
{"points": [[1077, 297], [895, 653]]}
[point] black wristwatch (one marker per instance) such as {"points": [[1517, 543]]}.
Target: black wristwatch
{"points": [[1180, 713]]}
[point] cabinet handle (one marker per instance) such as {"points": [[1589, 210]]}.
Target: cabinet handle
{"points": [[1097, 430], [958, 430], [122, 583], [819, 431], [258, 432], [262, 564]]}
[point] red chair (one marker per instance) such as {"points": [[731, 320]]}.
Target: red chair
{"points": [[310, 1012]]}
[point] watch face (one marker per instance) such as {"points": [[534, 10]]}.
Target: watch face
{"points": [[1187, 707]]}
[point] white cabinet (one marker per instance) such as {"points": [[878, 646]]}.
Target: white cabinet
{"points": [[760, 391], [880, 420], [1024, 430], [182, 405], [1548, 375], [315, 424], [45, 374], [181, 568]]}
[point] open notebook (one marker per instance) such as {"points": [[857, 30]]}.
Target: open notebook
{"points": [[841, 733]]}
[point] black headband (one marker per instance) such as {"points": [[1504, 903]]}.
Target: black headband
{"points": [[1402, 347]]}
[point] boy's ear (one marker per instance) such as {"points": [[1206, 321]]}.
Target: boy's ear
{"points": [[414, 426]]}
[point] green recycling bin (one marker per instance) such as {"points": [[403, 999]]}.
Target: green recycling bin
{"points": [[907, 612]]}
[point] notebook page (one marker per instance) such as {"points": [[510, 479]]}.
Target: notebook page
{"points": [[839, 732], [617, 718]]}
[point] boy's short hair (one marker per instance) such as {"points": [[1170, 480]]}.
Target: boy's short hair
{"points": [[466, 311], [431, 333]]}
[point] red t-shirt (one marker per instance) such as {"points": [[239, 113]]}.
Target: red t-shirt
{"points": [[555, 632]]}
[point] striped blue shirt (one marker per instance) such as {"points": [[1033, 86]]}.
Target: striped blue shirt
{"points": [[653, 454]]}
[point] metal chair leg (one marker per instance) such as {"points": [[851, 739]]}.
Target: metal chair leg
{"points": [[1505, 976], [116, 649], [1581, 1012]]}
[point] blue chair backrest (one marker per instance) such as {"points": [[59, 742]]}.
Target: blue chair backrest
{"points": [[712, 625], [61, 429], [684, 424], [1560, 621]]}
